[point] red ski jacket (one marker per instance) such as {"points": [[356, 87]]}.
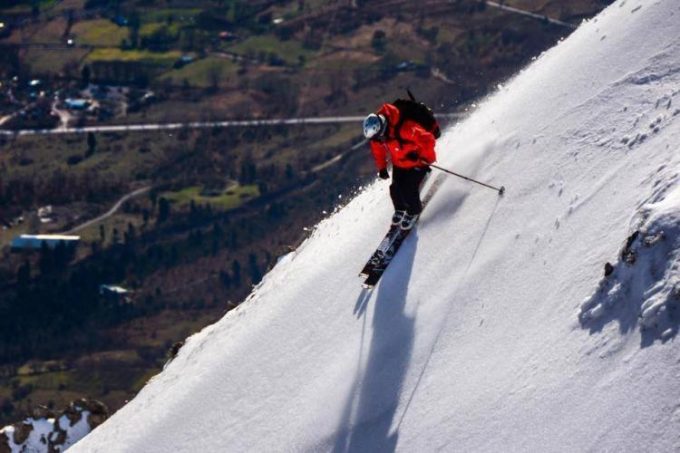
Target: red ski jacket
{"points": [[412, 137]]}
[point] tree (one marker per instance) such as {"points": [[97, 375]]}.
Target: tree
{"points": [[255, 272], [214, 77], [290, 172], [379, 41], [62, 255], [130, 234], [24, 275], [85, 75], [313, 39], [134, 23], [225, 279], [216, 238], [163, 210], [91, 144], [187, 40], [248, 172], [236, 271], [47, 259]]}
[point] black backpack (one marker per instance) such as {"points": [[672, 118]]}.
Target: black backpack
{"points": [[410, 109]]}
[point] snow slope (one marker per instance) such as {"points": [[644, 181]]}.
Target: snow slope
{"points": [[475, 339]]}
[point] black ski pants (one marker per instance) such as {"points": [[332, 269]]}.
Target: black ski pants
{"points": [[405, 189]]}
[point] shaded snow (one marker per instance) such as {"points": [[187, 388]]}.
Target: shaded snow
{"points": [[475, 339], [644, 285]]}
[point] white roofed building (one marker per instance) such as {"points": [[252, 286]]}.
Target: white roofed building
{"points": [[35, 242]]}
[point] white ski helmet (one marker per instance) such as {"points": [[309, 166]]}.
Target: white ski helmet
{"points": [[374, 126]]}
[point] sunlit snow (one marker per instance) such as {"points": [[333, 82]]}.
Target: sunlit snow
{"points": [[475, 339]]}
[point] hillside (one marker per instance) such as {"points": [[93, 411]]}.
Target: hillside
{"points": [[188, 220], [473, 340]]}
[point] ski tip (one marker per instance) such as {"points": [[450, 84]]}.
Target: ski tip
{"points": [[501, 191]]}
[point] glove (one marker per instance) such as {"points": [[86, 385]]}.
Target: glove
{"points": [[383, 174], [412, 156]]}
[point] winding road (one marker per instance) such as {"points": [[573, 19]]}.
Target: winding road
{"points": [[530, 14], [110, 212]]}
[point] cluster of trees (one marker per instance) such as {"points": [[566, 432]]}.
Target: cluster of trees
{"points": [[56, 306], [38, 116], [52, 308], [235, 13], [118, 72], [10, 63], [60, 187]]}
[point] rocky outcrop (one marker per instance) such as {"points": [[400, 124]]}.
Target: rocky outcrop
{"points": [[643, 286], [96, 412], [44, 430], [4, 444], [21, 432]]}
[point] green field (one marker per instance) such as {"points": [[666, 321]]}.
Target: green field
{"points": [[142, 56], [119, 221], [182, 15], [289, 50], [53, 61], [26, 7], [231, 198], [152, 27], [204, 73], [100, 33]]}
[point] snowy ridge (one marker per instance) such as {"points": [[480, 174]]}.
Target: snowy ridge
{"points": [[46, 431], [475, 339]]}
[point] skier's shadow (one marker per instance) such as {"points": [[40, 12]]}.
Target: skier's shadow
{"points": [[362, 303], [372, 405]]}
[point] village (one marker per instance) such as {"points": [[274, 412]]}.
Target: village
{"points": [[43, 104]]}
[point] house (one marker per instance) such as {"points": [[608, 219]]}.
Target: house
{"points": [[121, 21], [228, 36], [183, 61], [76, 104], [35, 242], [114, 293], [100, 92], [45, 214], [148, 97], [405, 65]]}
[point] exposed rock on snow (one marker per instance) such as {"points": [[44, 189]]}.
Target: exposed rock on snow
{"points": [[644, 285], [44, 431]]}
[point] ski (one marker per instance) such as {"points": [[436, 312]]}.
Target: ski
{"points": [[384, 245], [389, 247], [379, 253], [379, 269]]}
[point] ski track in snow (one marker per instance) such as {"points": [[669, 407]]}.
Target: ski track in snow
{"points": [[493, 328]]}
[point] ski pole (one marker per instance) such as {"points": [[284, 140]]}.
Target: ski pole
{"points": [[500, 190]]}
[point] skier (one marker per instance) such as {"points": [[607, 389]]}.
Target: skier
{"points": [[410, 147]]}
